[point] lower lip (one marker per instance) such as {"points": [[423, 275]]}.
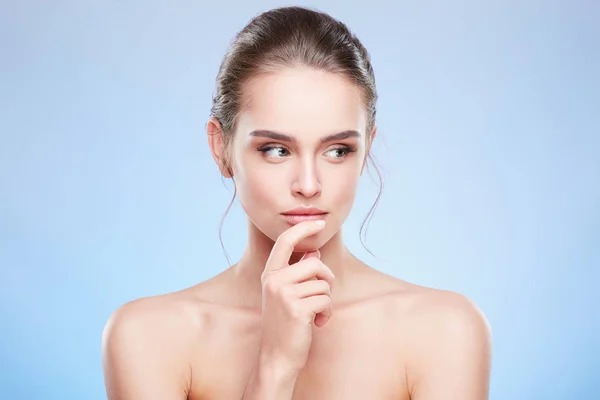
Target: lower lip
{"points": [[294, 219]]}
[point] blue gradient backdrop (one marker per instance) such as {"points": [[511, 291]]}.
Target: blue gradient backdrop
{"points": [[489, 138]]}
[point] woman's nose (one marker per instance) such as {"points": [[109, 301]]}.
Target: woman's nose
{"points": [[307, 182]]}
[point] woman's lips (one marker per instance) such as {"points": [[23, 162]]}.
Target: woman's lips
{"points": [[294, 219]]}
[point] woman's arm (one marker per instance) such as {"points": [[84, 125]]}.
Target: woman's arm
{"points": [[452, 356], [142, 353], [269, 381]]}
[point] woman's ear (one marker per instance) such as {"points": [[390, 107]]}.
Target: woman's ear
{"points": [[369, 146], [372, 137], [217, 146]]}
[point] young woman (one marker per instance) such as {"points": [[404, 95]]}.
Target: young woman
{"points": [[298, 316]]}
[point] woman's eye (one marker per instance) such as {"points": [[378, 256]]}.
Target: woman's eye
{"points": [[339, 152], [274, 151], [271, 151]]}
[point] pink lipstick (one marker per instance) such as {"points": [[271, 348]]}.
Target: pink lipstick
{"points": [[301, 214]]}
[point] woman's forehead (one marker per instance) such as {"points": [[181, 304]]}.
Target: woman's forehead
{"points": [[302, 100]]}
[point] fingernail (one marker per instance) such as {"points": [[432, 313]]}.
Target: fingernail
{"points": [[320, 222]]}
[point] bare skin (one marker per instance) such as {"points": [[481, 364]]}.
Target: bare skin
{"points": [[366, 335], [383, 341]]}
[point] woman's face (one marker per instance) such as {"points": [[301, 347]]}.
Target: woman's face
{"points": [[300, 142]]}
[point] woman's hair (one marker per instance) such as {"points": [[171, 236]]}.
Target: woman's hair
{"points": [[289, 37]]}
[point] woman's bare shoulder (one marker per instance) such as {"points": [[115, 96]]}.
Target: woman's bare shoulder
{"points": [[429, 308], [417, 299], [146, 346], [420, 302], [445, 339], [423, 314], [181, 316], [167, 320], [166, 311]]}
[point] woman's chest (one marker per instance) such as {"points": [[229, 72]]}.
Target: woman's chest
{"points": [[346, 361]]}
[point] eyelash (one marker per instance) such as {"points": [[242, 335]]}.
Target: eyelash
{"points": [[343, 148]]}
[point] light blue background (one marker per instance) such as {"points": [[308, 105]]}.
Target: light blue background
{"points": [[488, 137]]}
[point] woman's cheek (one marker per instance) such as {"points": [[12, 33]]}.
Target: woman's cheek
{"points": [[263, 188], [345, 190]]}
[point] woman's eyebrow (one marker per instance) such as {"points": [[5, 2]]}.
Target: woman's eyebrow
{"points": [[289, 138], [273, 135], [341, 136]]}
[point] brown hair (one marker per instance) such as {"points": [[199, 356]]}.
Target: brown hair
{"points": [[287, 37]]}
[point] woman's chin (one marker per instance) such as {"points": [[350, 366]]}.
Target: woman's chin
{"points": [[312, 243]]}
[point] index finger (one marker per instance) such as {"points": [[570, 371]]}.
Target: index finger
{"points": [[285, 243]]}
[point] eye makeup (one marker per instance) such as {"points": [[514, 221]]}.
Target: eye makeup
{"points": [[279, 151]]}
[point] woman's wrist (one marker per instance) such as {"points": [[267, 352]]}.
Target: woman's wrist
{"points": [[270, 379]]}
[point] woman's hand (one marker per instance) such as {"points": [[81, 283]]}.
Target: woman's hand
{"points": [[294, 296]]}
